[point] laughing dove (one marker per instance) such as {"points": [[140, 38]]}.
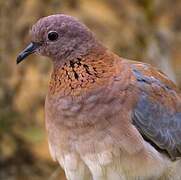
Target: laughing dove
{"points": [[108, 118]]}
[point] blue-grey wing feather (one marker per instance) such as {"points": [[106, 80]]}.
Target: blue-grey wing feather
{"points": [[158, 123]]}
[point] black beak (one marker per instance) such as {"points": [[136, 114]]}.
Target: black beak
{"points": [[31, 48]]}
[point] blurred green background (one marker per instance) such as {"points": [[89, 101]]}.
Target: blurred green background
{"points": [[144, 30]]}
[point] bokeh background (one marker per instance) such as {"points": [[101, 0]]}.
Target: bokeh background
{"points": [[144, 30]]}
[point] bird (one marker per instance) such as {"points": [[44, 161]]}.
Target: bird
{"points": [[107, 117]]}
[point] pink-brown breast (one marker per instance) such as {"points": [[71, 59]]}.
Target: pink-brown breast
{"points": [[89, 111], [88, 97]]}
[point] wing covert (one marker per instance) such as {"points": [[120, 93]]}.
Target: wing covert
{"points": [[157, 114]]}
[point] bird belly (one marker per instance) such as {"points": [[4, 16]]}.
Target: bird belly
{"points": [[91, 144], [109, 165], [84, 161]]}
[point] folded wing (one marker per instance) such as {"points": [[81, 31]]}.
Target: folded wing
{"points": [[157, 113]]}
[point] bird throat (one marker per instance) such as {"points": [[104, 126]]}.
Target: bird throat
{"points": [[82, 74]]}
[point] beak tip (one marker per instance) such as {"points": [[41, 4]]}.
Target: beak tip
{"points": [[27, 51], [19, 59]]}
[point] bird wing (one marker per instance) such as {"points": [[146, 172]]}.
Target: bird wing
{"points": [[157, 113]]}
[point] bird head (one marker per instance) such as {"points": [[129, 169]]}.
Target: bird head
{"points": [[58, 37]]}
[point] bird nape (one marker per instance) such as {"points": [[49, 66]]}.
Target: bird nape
{"points": [[107, 117]]}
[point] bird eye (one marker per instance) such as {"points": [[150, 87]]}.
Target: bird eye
{"points": [[52, 36]]}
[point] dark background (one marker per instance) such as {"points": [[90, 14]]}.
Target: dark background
{"points": [[144, 30]]}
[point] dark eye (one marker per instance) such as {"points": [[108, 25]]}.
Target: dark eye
{"points": [[52, 36]]}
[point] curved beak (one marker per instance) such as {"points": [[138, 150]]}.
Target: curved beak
{"points": [[31, 48]]}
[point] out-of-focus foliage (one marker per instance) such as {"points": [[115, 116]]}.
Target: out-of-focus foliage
{"points": [[138, 29]]}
